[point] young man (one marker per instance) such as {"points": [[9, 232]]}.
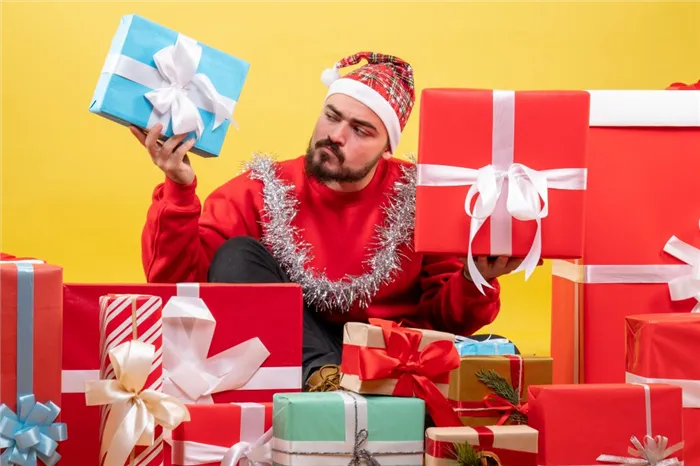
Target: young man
{"points": [[338, 221]]}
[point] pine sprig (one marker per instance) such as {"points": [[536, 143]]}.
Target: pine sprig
{"points": [[465, 454], [502, 388]]}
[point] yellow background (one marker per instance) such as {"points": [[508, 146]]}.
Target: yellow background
{"points": [[75, 187]]}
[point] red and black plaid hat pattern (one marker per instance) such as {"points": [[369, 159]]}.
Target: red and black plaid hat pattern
{"points": [[390, 76]]}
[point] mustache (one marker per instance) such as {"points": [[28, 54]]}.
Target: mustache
{"points": [[333, 148]]}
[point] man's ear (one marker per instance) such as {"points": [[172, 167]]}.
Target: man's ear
{"points": [[386, 155]]}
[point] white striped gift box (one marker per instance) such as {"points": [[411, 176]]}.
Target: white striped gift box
{"points": [[125, 317]]}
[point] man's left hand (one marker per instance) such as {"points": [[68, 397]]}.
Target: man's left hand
{"points": [[494, 267]]}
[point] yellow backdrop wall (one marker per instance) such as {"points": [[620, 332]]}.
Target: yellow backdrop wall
{"points": [[75, 187]]}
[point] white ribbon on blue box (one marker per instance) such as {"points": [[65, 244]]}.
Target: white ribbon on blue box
{"points": [[153, 74], [490, 347]]}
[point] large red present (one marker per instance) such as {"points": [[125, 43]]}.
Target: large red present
{"points": [[644, 154], [31, 320], [383, 358], [502, 173], [580, 425], [242, 313], [246, 437], [663, 348]]}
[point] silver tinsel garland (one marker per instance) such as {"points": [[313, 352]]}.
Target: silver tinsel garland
{"points": [[294, 255]]}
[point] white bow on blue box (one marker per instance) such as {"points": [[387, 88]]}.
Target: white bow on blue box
{"points": [[153, 74]]}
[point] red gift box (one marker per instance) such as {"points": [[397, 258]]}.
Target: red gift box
{"points": [[525, 157], [584, 424], [251, 310], [202, 441], [31, 320], [663, 348], [644, 154]]}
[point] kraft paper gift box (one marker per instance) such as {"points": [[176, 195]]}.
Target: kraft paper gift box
{"points": [[153, 74], [468, 446], [340, 428], [663, 348], [587, 424], [224, 433], [249, 309], [474, 389], [501, 173], [383, 358], [644, 154], [31, 308]]}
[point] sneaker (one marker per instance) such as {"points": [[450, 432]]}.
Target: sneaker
{"points": [[326, 379]]}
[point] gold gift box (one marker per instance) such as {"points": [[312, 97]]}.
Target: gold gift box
{"points": [[465, 386]]}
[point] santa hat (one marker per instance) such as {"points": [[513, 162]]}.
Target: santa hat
{"points": [[384, 84]]}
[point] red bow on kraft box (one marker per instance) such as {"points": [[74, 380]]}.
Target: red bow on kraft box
{"points": [[383, 358], [684, 87]]}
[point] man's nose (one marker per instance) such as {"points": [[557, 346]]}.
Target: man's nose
{"points": [[339, 134]]}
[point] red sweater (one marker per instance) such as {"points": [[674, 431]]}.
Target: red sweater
{"points": [[180, 239]]}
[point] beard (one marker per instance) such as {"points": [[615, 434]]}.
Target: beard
{"points": [[315, 160]]}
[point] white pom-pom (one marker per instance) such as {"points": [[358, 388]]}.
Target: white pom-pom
{"points": [[330, 75]]}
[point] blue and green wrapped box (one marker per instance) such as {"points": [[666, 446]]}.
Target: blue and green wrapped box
{"points": [[332, 428], [491, 347], [154, 74]]}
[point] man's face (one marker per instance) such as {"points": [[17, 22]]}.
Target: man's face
{"points": [[347, 143]]}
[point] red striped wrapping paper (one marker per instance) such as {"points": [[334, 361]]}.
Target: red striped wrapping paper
{"points": [[133, 317]]}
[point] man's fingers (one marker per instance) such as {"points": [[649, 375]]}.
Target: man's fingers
{"points": [[501, 263], [138, 134], [482, 263], [170, 145], [152, 139], [181, 151]]}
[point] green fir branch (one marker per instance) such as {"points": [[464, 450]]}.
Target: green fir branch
{"points": [[500, 386], [465, 454]]}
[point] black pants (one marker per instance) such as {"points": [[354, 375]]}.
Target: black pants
{"points": [[245, 260]]}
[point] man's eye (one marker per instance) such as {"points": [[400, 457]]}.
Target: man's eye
{"points": [[332, 117], [361, 131]]}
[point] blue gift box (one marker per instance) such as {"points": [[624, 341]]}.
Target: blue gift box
{"points": [[154, 74], [492, 347]]}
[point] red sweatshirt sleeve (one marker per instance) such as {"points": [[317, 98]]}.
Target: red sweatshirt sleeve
{"points": [[451, 302], [180, 237]]}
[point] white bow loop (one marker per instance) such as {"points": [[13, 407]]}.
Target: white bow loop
{"points": [[177, 65], [250, 454], [686, 286]]}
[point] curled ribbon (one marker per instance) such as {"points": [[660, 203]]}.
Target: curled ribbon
{"points": [[654, 452], [414, 369], [688, 285], [177, 64], [134, 411], [188, 330], [32, 434]]}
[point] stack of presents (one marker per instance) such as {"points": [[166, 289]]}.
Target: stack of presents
{"points": [[604, 183]]}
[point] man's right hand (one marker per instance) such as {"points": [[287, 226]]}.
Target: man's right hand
{"points": [[168, 156]]}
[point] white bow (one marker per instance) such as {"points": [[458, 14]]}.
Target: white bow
{"points": [[177, 64], [258, 453], [686, 286], [527, 200], [654, 452], [189, 375]]}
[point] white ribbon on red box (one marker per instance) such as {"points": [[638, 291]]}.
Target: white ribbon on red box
{"points": [[527, 190], [683, 279], [253, 449]]}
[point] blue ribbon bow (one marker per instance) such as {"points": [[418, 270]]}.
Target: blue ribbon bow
{"points": [[31, 435]]}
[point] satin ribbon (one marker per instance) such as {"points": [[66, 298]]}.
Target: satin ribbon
{"points": [[654, 451], [414, 369], [177, 89], [683, 280], [134, 411], [691, 388], [188, 330], [498, 403], [32, 434], [527, 191], [257, 453]]}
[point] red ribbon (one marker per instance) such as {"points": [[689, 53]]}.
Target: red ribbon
{"points": [[414, 369], [684, 87]]}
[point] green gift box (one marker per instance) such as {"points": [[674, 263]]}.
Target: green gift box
{"points": [[337, 428]]}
